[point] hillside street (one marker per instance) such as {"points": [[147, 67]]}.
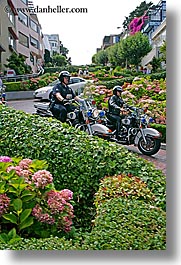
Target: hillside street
{"points": [[158, 159]]}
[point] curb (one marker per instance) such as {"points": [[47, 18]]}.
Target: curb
{"points": [[19, 95]]}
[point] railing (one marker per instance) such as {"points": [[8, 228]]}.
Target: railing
{"points": [[20, 77]]}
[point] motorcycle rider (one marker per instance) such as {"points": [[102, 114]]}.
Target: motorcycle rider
{"points": [[115, 107], [61, 94]]}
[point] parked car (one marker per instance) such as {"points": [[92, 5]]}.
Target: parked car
{"points": [[76, 83], [11, 73]]}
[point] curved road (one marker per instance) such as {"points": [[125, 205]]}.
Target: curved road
{"points": [[158, 159]]}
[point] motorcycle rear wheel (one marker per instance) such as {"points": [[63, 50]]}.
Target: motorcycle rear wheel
{"points": [[151, 147]]}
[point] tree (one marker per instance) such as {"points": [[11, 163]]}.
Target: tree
{"points": [[114, 55], [59, 60], [17, 62], [101, 57], [63, 50], [47, 57], [134, 48], [163, 50]]}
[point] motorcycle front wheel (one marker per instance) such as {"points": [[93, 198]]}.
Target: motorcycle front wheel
{"points": [[151, 147]]}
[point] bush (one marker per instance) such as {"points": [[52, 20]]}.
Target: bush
{"points": [[76, 160], [51, 243], [123, 224], [13, 86], [29, 203]]}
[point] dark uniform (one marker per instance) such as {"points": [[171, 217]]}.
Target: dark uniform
{"points": [[115, 104], [57, 107]]}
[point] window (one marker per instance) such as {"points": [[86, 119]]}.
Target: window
{"points": [[76, 80], [12, 42], [23, 39], [11, 17], [23, 18], [32, 58], [33, 25], [34, 42]]}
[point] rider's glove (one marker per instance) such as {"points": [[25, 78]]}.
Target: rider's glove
{"points": [[65, 100]]}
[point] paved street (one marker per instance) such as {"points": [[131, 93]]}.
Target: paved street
{"points": [[159, 159]]}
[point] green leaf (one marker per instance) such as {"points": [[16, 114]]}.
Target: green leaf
{"points": [[14, 240], [26, 223], [19, 186], [12, 233], [24, 215], [10, 217], [27, 195], [17, 204], [4, 237]]}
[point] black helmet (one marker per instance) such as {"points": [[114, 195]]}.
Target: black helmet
{"points": [[117, 88], [64, 74]]}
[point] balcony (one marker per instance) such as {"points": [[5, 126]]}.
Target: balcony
{"points": [[148, 58]]}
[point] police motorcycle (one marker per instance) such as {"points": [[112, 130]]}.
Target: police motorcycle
{"points": [[80, 116], [134, 130]]}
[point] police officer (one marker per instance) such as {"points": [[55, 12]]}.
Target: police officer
{"points": [[115, 106], [61, 94]]}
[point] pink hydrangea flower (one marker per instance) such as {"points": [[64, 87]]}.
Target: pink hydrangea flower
{"points": [[16, 168], [4, 203], [67, 194], [42, 217], [24, 163], [42, 178], [5, 159], [55, 201]]}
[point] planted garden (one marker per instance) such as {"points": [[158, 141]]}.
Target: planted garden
{"points": [[115, 200]]}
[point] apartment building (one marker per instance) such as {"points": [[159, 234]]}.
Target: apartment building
{"points": [[157, 40], [110, 40], [54, 42], [155, 29], [8, 32], [20, 31]]}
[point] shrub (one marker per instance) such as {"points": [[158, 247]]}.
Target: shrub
{"points": [[51, 243], [29, 203], [126, 186], [76, 160], [13, 86], [123, 224]]}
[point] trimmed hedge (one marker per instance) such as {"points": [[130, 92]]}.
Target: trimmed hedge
{"points": [[13, 86], [123, 224], [76, 160], [52, 243]]}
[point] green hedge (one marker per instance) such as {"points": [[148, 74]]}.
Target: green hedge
{"points": [[52, 243], [76, 160], [123, 224], [13, 86]]}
